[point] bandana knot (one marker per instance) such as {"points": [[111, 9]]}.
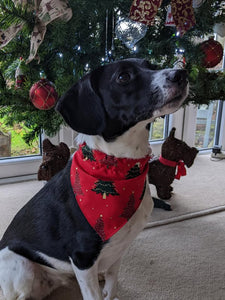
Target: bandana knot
{"points": [[107, 189], [180, 171]]}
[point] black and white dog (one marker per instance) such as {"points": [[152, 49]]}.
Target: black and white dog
{"points": [[50, 239]]}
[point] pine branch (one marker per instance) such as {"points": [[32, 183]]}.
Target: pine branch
{"points": [[12, 14]]}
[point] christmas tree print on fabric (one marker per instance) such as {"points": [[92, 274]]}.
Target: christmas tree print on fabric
{"points": [[129, 210], [134, 171], [105, 188], [99, 228], [87, 153], [76, 186], [109, 161]]}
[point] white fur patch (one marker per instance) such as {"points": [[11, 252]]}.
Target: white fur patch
{"points": [[132, 144], [22, 279]]}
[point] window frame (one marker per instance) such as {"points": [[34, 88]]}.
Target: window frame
{"points": [[24, 168]]}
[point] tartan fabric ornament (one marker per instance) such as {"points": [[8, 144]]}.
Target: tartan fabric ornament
{"points": [[107, 189], [45, 11], [183, 15], [43, 94], [144, 11], [213, 53]]}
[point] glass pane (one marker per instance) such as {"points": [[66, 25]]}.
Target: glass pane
{"points": [[205, 125], [157, 129], [12, 143]]}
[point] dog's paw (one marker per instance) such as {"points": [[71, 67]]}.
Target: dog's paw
{"points": [[115, 298], [107, 297]]}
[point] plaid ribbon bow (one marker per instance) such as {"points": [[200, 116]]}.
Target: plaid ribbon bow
{"points": [[46, 11]]}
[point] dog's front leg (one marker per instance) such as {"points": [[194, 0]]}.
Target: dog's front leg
{"points": [[88, 282], [111, 279]]}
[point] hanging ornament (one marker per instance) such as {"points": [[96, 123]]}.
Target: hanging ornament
{"points": [[133, 28], [169, 17], [183, 15], [20, 74], [197, 3], [213, 51], [180, 61], [144, 11], [219, 28], [43, 94], [130, 32]]}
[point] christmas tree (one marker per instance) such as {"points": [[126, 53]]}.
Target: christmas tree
{"points": [[134, 171], [105, 188], [99, 228], [76, 185], [87, 153], [129, 210], [87, 39]]}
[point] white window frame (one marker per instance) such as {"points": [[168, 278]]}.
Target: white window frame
{"points": [[17, 169], [25, 168]]}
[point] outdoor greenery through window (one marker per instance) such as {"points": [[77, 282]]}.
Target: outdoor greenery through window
{"points": [[206, 125], [157, 129], [12, 143]]}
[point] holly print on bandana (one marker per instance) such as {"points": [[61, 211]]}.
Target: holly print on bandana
{"points": [[107, 189]]}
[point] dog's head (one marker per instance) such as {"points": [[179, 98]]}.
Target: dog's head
{"points": [[115, 97], [175, 150]]}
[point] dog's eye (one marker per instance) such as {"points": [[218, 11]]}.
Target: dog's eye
{"points": [[123, 78]]}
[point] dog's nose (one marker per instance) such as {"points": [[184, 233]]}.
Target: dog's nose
{"points": [[177, 76]]}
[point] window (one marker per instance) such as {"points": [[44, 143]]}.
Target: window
{"points": [[12, 143], [18, 161], [159, 129], [207, 125]]}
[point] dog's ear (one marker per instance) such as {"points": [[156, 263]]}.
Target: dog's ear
{"points": [[81, 107], [172, 132]]}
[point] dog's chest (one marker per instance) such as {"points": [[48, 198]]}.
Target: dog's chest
{"points": [[116, 246]]}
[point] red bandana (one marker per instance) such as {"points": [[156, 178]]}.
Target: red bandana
{"points": [[181, 171], [107, 189]]}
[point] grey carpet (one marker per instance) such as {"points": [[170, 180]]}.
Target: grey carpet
{"points": [[181, 261], [203, 188]]}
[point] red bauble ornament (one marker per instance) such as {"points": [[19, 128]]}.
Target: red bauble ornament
{"points": [[213, 51], [43, 94]]}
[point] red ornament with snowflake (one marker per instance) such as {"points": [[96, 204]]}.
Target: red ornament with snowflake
{"points": [[213, 51], [43, 94]]}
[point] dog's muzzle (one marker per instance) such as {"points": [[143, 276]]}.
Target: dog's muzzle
{"points": [[178, 77]]}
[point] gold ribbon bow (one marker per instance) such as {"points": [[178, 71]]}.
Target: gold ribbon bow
{"points": [[46, 11]]}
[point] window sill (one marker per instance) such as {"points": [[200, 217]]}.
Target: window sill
{"points": [[15, 167]]}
